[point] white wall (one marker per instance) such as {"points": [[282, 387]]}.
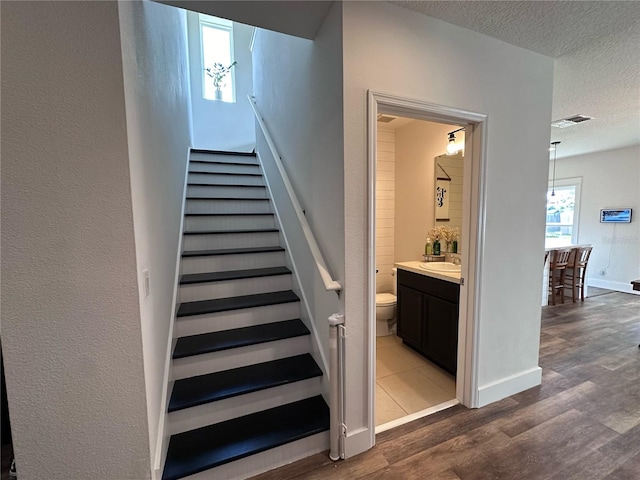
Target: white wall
{"points": [[298, 87], [71, 333], [221, 125], [154, 52], [418, 143], [385, 207], [609, 179], [392, 50]]}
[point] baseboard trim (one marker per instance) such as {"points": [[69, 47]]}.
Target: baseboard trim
{"points": [[357, 442], [617, 286], [162, 440], [508, 386]]}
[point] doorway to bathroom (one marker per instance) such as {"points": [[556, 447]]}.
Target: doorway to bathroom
{"points": [[411, 165], [422, 335]]}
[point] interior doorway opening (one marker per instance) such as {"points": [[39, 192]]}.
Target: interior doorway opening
{"points": [[408, 378], [415, 362]]}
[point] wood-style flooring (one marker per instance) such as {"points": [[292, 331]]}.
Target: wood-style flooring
{"points": [[582, 423]]}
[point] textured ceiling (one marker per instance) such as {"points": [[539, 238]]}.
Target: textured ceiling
{"points": [[597, 68]]}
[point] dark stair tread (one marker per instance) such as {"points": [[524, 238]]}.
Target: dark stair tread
{"points": [[228, 198], [236, 303], [208, 447], [232, 251], [224, 152], [224, 214], [219, 162], [229, 173], [194, 391], [192, 278], [220, 232], [238, 337], [199, 184]]}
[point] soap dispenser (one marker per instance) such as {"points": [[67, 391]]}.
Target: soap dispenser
{"points": [[428, 247]]}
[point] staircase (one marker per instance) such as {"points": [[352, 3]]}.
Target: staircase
{"points": [[246, 396]]}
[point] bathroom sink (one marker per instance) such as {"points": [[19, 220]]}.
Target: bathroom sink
{"points": [[440, 267]]}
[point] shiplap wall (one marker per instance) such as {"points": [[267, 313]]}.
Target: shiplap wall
{"points": [[454, 166], [385, 207]]}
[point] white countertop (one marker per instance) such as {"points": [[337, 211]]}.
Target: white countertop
{"points": [[453, 277]]}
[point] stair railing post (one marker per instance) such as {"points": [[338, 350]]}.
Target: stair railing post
{"points": [[336, 387]]}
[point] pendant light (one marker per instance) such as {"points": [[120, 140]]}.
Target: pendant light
{"points": [[554, 147], [452, 148]]}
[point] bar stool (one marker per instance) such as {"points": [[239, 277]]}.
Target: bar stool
{"points": [[557, 268], [576, 270]]}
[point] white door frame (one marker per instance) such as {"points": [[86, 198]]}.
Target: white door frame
{"points": [[474, 205]]}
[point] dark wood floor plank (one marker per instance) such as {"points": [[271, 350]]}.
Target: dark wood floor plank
{"points": [[461, 451], [630, 469], [419, 440], [538, 413], [357, 467], [595, 465], [295, 469]]}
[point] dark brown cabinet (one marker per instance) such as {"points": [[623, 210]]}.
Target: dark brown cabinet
{"points": [[428, 317]]}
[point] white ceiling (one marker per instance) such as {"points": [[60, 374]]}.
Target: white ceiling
{"points": [[293, 17], [596, 45]]}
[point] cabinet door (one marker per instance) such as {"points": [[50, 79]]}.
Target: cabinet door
{"points": [[440, 334], [410, 313]]}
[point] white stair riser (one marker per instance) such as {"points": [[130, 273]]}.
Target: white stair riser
{"points": [[246, 317], [216, 157], [225, 191], [241, 222], [234, 288], [215, 412], [224, 168], [225, 179], [239, 357], [228, 206], [222, 263], [230, 240], [268, 460]]}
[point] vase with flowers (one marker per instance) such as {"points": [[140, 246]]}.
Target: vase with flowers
{"points": [[218, 72]]}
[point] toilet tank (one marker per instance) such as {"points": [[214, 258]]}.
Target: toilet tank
{"points": [[394, 281]]}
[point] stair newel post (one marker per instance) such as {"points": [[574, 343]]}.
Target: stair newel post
{"points": [[336, 386]]}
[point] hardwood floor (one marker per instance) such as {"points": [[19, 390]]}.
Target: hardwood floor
{"points": [[582, 423]]}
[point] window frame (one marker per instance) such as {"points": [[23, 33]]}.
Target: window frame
{"points": [[224, 25], [562, 183]]}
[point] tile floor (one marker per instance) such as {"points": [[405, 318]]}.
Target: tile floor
{"points": [[406, 382]]}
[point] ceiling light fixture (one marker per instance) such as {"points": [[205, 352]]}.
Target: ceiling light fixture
{"points": [[554, 147], [452, 147]]}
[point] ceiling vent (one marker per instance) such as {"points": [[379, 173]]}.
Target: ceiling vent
{"points": [[385, 118], [570, 121]]}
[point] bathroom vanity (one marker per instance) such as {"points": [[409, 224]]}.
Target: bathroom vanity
{"points": [[428, 305]]}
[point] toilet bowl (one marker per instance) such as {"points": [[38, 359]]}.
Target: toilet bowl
{"points": [[386, 310]]}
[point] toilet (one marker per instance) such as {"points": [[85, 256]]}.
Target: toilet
{"points": [[386, 309]]}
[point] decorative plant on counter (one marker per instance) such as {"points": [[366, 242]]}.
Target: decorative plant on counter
{"points": [[218, 72], [446, 234]]}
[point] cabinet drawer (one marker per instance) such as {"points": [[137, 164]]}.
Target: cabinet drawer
{"points": [[433, 286]]}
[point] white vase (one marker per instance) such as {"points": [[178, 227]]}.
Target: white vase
{"points": [[218, 94]]}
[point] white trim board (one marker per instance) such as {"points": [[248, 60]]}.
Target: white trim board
{"points": [[609, 285], [508, 386], [417, 415], [162, 445]]}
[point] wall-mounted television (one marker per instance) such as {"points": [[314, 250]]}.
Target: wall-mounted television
{"points": [[615, 215]]}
